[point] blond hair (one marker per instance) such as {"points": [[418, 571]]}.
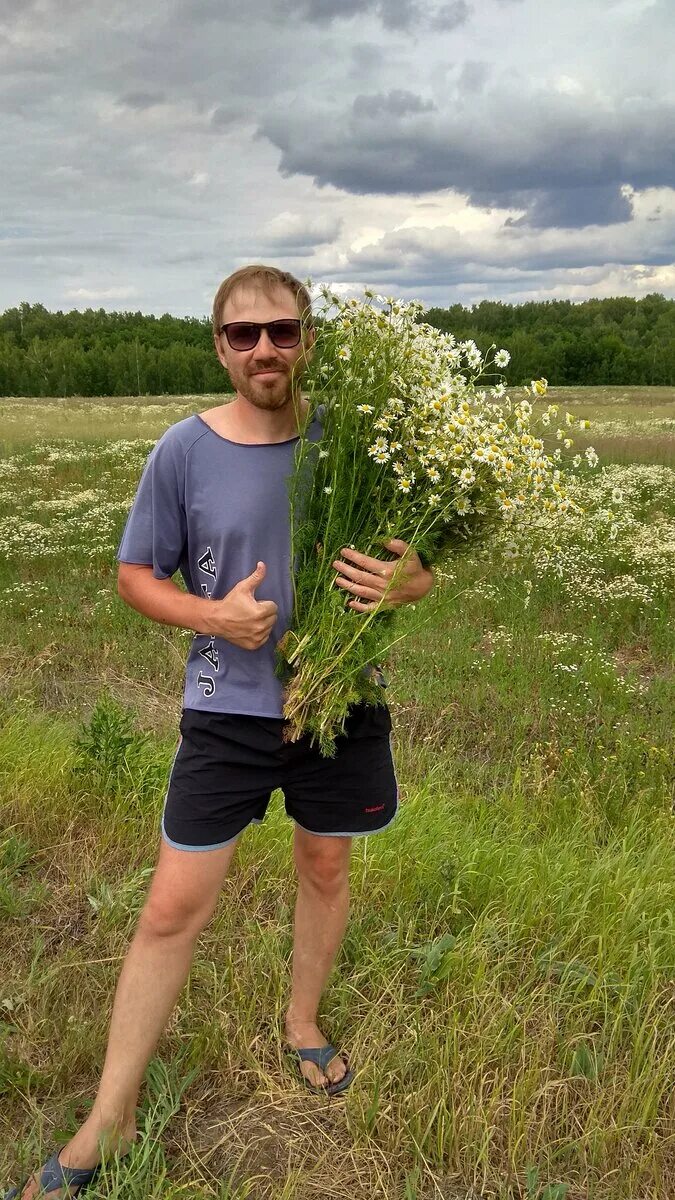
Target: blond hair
{"points": [[268, 279]]}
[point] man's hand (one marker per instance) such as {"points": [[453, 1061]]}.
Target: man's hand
{"points": [[380, 584], [239, 617]]}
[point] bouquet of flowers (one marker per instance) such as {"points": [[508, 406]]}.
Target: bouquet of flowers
{"points": [[412, 448]]}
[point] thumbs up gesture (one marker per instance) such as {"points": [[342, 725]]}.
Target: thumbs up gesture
{"points": [[239, 617]]}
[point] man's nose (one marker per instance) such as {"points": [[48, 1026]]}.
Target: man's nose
{"points": [[266, 347]]}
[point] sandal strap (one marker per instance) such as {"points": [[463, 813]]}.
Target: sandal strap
{"points": [[54, 1175], [320, 1055]]}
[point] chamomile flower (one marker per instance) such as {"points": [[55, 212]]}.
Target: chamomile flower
{"points": [[379, 450], [502, 358]]}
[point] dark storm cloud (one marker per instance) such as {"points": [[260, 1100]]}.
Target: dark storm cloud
{"points": [[603, 205], [561, 160]]}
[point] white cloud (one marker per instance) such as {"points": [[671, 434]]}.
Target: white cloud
{"points": [[100, 294]]}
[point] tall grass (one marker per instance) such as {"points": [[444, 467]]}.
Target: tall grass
{"points": [[505, 988]]}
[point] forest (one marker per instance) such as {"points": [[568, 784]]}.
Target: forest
{"points": [[618, 340]]}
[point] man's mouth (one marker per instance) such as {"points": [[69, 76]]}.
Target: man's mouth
{"points": [[265, 374]]}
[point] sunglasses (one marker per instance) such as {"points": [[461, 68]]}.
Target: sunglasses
{"points": [[244, 335]]}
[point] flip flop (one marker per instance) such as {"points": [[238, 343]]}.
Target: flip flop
{"points": [[321, 1056], [53, 1175]]}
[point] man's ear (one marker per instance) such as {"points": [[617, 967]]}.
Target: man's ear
{"points": [[219, 351]]}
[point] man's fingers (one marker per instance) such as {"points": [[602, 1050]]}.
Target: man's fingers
{"points": [[361, 576], [267, 608], [397, 546], [364, 560], [359, 589], [360, 606]]}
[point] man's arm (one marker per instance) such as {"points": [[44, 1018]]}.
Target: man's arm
{"points": [[386, 584], [238, 617]]}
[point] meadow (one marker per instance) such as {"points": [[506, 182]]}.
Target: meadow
{"points": [[506, 989]]}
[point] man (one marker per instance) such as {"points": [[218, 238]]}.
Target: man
{"points": [[213, 503]]}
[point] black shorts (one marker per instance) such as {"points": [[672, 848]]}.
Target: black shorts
{"points": [[227, 765]]}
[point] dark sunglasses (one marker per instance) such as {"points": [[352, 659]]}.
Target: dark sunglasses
{"points": [[244, 335]]}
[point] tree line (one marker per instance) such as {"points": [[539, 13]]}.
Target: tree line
{"points": [[618, 340]]}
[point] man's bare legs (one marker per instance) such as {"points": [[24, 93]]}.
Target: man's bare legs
{"points": [[181, 901], [321, 912]]}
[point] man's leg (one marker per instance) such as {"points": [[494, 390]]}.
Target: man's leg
{"points": [[181, 901], [321, 911]]}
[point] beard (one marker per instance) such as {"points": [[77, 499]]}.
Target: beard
{"points": [[270, 394]]}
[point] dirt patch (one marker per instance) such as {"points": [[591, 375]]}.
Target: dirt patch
{"points": [[268, 1141], [637, 660]]}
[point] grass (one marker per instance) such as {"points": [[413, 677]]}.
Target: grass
{"points": [[506, 983]]}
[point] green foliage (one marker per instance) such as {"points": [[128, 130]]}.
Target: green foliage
{"points": [[116, 905], [615, 340], [106, 745], [97, 353]]}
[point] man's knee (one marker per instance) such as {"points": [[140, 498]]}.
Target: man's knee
{"points": [[324, 862], [169, 915]]}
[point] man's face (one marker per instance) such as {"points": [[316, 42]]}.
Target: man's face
{"points": [[248, 369]]}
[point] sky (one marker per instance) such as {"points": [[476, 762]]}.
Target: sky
{"points": [[446, 152]]}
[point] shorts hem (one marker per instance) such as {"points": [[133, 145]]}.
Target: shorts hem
{"points": [[215, 846], [356, 833]]}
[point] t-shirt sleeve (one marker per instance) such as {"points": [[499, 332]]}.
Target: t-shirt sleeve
{"points": [[156, 528]]}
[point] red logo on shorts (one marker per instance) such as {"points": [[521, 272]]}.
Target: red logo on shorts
{"points": [[375, 808]]}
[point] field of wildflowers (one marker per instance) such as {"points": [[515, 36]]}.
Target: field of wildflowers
{"points": [[505, 989]]}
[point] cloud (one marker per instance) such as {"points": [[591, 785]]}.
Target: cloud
{"points": [[295, 233], [449, 16], [560, 158], [110, 293], [141, 100], [397, 103], [472, 77], [395, 15], [567, 208]]}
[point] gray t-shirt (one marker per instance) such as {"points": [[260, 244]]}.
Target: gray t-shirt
{"points": [[211, 509]]}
